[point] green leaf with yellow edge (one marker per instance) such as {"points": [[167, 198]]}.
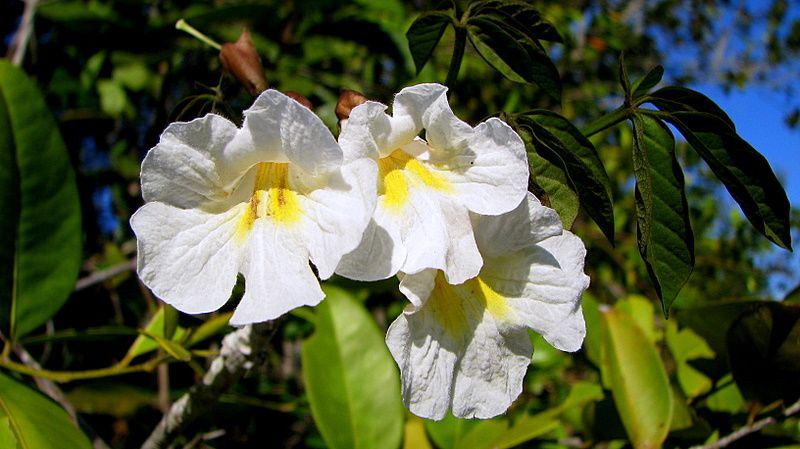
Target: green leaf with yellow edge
{"points": [[172, 348], [145, 342], [352, 382], [7, 438], [40, 218], [666, 241], [639, 383], [35, 420]]}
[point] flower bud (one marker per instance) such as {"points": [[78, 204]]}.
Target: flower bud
{"points": [[300, 99], [242, 60], [347, 101]]}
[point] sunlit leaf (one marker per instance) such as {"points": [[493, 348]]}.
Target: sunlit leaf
{"points": [[639, 382], [40, 219], [424, 35], [686, 345], [352, 382], [36, 421], [414, 436], [172, 348], [665, 237]]}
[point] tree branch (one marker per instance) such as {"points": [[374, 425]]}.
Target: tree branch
{"points": [[752, 428], [16, 51], [241, 350]]}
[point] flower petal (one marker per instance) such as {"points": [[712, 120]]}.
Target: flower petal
{"points": [[370, 132], [453, 353], [181, 170], [277, 276], [337, 211], [543, 285], [427, 105], [528, 223], [490, 176], [277, 128], [379, 255], [188, 258]]}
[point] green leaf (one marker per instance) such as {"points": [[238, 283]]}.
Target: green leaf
{"points": [[681, 99], [743, 170], [764, 352], [117, 399], [414, 436], [424, 35], [686, 345], [521, 16], [556, 139], [516, 59], [352, 382], [7, 438], [647, 82], [639, 382], [36, 421], [172, 348], [665, 237], [40, 221], [549, 182]]}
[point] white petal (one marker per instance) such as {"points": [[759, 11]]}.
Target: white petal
{"points": [[181, 170], [379, 255], [277, 276], [337, 213], [529, 223], [277, 128], [418, 287], [452, 353], [370, 132], [427, 105], [188, 258], [491, 174], [544, 284]]}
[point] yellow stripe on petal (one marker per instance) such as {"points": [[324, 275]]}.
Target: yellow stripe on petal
{"points": [[397, 170], [453, 305], [272, 198]]}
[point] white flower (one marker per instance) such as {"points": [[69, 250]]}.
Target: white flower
{"points": [[466, 346], [262, 200], [426, 188]]}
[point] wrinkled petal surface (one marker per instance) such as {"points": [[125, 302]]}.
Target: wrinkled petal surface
{"points": [[465, 346]]}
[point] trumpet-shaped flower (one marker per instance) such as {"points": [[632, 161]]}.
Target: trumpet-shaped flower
{"points": [[261, 200], [466, 346], [427, 187]]}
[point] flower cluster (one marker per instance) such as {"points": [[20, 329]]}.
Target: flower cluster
{"points": [[480, 259]]}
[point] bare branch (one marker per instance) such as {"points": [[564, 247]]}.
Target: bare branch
{"points": [[752, 428], [241, 350]]}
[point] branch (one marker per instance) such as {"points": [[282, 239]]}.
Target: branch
{"points": [[100, 276], [241, 350], [752, 428], [16, 51]]}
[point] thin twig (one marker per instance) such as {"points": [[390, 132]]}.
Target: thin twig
{"points": [[16, 51], [102, 275], [752, 428], [241, 350]]}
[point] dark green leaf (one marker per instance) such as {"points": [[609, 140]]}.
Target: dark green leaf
{"points": [[675, 99], [764, 352], [649, 81], [639, 382], [424, 35], [352, 382], [743, 170], [40, 247], [521, 16], [561, 143], [624, 81], [517, 60], [36, 421], [549, 182], [170, 321], [665, 237]]}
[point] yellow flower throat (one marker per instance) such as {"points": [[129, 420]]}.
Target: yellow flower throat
{"points": [[272, 197]]}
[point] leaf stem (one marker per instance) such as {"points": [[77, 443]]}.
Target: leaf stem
{"points": [[68, 376], [607, 121], [184, 26], [458, 55]]}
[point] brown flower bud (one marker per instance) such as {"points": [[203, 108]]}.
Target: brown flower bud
{"points": [[300, 99], [347, 101], [241, 59]]}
